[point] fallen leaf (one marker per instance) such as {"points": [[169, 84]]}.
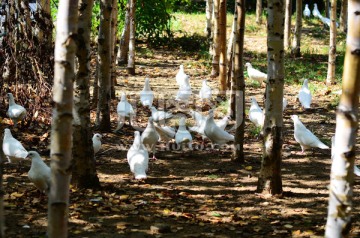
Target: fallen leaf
{"points": [[248, 168]]}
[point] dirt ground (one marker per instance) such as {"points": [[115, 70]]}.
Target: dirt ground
{"points": [[199, 193]]}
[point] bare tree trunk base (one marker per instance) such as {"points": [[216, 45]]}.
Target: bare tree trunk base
{"points": [[87, 182], [131, 71]]}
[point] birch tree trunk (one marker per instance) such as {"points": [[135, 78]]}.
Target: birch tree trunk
{"points": [[131, 59], [229, 55], [259, 11], [84, 170], [222, 43], [104, 48], [122, 56], [238, 82], [216, 40], [327, 12], [287, 28], [342, 168], [208, 10], [330, 79], [114, 26], [61, 126], [270, 173], [343, 16], [298, 28]]}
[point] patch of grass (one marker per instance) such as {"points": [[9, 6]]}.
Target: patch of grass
{"points": [[223, 107], [254, 130]]}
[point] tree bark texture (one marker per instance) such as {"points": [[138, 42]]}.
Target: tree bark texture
{"points": [[114, 26], [287, 28], [61, 127], [229, 55], [216, 40], [125, 37], [131, 59], [208, 11], [270, 173], [342, 168], [259, 10], [327, 7], [330, 79], [298, 28], [222, 43], [344, 16]]}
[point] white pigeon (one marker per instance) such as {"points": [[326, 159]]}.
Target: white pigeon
{"points": [[13, 149], [256, 114], [16, 112], [307, 12], [356, 169], [181, 76], [146, 95], [124, 110], [159, 115], [96, 140], [198, 117], [182, 135], [184, 91], [315, 11], [205, 91], [215, 133], [304, 95], [138, 158], [39, 173], [327, 21], [150, 137], [304, 137], [285, 103], [223, 122], [255, 74], [166, 133]]}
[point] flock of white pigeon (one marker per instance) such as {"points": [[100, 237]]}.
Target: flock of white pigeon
{"points": [[316, 13]]}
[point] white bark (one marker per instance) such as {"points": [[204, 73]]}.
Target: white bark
{"points": [[298, 28], [287, 28], [131, 58], [208, 11], [330, 79]]}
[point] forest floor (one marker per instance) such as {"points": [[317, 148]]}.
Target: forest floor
{"points": [[199, 193]]}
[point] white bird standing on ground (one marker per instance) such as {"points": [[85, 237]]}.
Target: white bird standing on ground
{"points": [[304, 95], [205, 91], [182, 135], [184, 91], [256, 114], [138, 158], [124, 110], [198, 117], [327, 21], [315, 11], [285, 103], [181, 76], [255, 74], [222, 123], [96, 140], [166, 133], [159, 115], [15, 111], [307, 12], [215, 133], [12, 148], [304, 137], [146, 95], [39, 173], [150, 137]]}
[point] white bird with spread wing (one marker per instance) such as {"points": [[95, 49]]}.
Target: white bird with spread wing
{"points": [[255, 74], [39, 173], [124, 110], [214, 133], [305, 137], [15, 111], [96, 139], [12, 148], [138, 158], [304, 95], [166, 133], [182, 135], [160, 115], [256, 114], [146, 95], [150, 137]]}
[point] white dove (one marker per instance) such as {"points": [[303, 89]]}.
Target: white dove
{"points": [[182, 135], [198, 117], [223, 122], [256, 114], [166, 133], [255, 74], [304, 95], [285, 103], [304, 137], [327, 21], [146, 95], [96, 140], [181, 76], [16, 112], [315, 11], [124, 110], [160, 115], [205, 91], [150, 137], [215, 133], [39, 173], [184, 91], [138, 158], [356, 169], [13, 149], [307, 12]]}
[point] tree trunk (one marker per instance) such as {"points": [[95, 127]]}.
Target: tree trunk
{"points": [[216, 40], [259, 11], [330, 79], [131, 59], [114, 26], [327, 12], [125, 37], [342, 168], [61, 126], [222, 43], [84, 170], [238, 82], [209, 8], [298, 28], [343, 16], [44, 23], [104, 48], [270, 172], [229, 55], [287, 32]]}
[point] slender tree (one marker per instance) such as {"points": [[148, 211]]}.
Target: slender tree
{"points": [[208, 10], [238, 82], [222, 44], [259, 9], [230, 53], [270, 172], [216, 41], [330, 79], [84, 170], [131, 58], [342, 168], [113, 34], [343, 16], [298, 28], [104, 48], [122, 56], [287, 28], [327, 8], [61, 127]]}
